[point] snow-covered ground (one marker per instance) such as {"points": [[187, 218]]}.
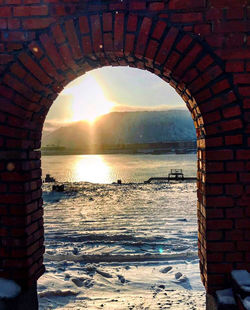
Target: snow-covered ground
{"points": [[129, 246]]}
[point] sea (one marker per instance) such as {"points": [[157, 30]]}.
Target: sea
{"points": [[105, 169], [120, 246]]}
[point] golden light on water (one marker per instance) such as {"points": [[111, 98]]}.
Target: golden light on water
{"points": [[91, 168], [88, 100]]}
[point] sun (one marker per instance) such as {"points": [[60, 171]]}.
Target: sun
{"points": [[87, 99]]}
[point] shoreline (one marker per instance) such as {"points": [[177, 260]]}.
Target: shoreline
{"points": [[177, 147]]}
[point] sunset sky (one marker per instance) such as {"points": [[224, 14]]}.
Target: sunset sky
{"points": [[109, 89]]}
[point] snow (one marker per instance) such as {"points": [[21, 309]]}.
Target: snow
{"points": [[242, 277], [9, 288], [226, 297], [129, 246], [246, 303]]}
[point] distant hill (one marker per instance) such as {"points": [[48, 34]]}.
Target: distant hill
{"points": [[126, 128]]}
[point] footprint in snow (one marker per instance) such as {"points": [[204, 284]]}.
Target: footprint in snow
{"points": [[80, 282], [178, 275], [66, 277], [77, 282], [104, 274], [121, 278], [166, 269], [182, 280]]}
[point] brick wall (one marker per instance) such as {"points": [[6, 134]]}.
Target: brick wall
{"points": [[200, 47]]}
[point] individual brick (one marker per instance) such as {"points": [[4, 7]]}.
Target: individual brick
{"points": [[52, 52], [84, 24], [159, 30], [67, 57], [166, 45], [107, 22], [143, 36], [87, 46], [187, 60], [137, 5], [108, 42], [151, 50], [96, 33], [37, 23], [187, 17], [132, 23], [36, 10], [58, 34], [6, 11], [156, 6], [34, 68], [129, 43], [73, 39], [181, 5], [119, 32], [235, 66]]}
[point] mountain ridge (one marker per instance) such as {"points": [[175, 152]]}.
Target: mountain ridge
{"points": [[125, 128]]}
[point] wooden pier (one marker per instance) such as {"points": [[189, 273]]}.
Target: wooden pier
{"points": [[174, 175], [170, 179]]}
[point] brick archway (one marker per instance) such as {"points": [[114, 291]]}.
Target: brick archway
{"points": [[178, 41]]}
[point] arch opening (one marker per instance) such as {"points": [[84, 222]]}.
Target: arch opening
{"points": [[111, 222]]}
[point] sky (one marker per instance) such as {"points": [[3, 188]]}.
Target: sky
{"points": [[108, 89]]}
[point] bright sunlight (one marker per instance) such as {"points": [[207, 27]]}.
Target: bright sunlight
{"points": [[95, 103], [110, 89]]}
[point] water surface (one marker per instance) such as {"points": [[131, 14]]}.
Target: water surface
{"points": [[109, 168]]}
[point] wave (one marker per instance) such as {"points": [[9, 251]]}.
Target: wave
{"points": [[120, 258]]}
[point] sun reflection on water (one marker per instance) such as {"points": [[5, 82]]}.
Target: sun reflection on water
{"points": [[92, 168]]}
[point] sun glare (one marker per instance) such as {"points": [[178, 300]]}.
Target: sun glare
{"points": [[92, 166], [88, 100]]}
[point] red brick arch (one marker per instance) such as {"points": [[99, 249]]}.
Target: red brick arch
{"points": [[189, 44]]}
